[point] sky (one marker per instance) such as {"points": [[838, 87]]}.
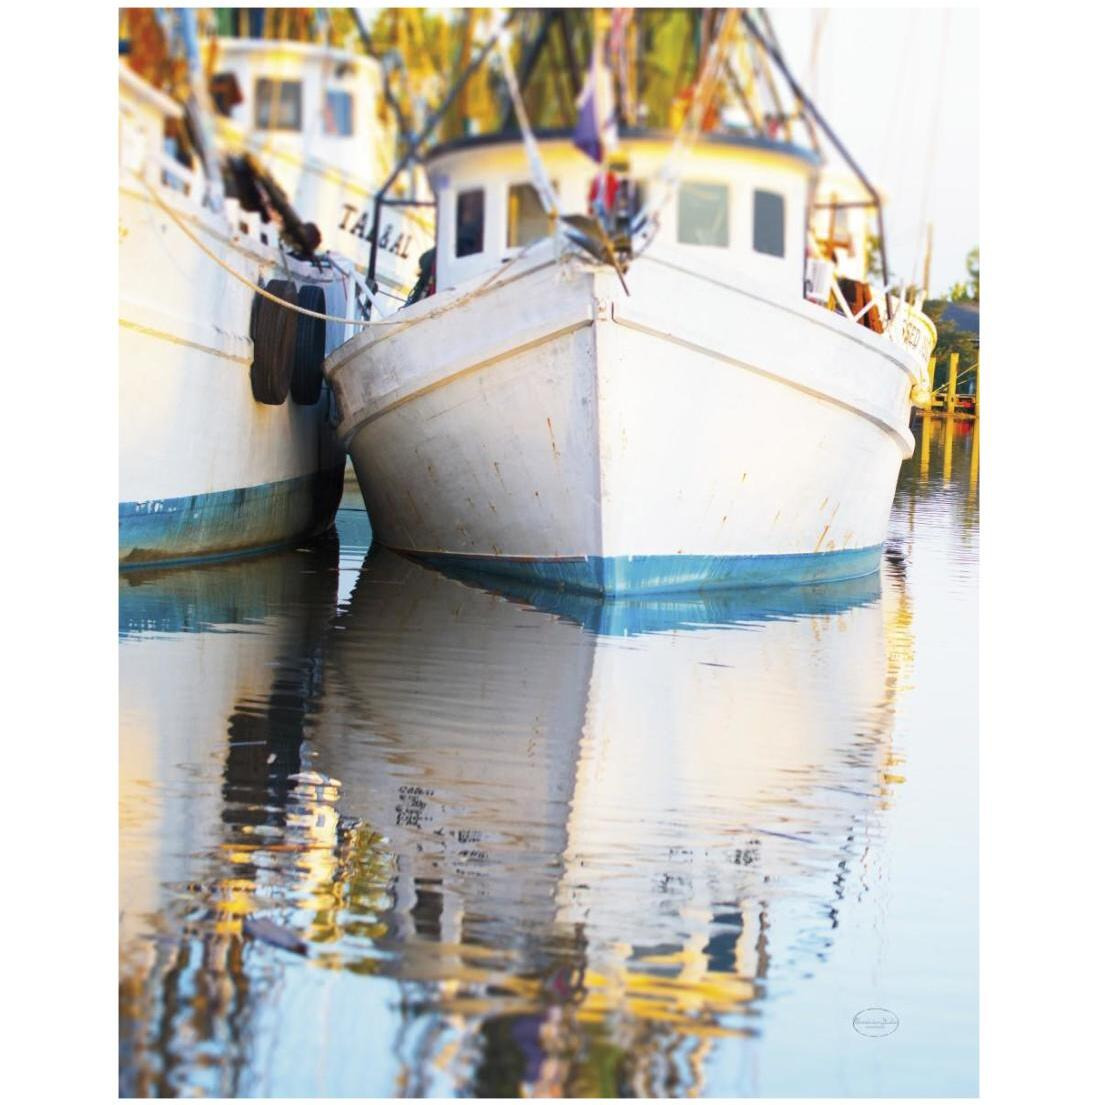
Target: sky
{"points": [[889, 81]]}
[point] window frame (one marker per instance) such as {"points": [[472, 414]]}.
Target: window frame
{"points": [[510, 186], [259, 99], [723, 185], [326, 112]]}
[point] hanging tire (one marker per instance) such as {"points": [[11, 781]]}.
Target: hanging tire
{"points": [[310, 347], [273, 329]]}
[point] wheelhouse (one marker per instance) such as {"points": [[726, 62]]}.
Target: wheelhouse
{"points": [[308, 106], [740, 208], [316, 117]]}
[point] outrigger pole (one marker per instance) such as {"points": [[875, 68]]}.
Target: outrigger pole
{"points": [[808, 105], [427, 130]]}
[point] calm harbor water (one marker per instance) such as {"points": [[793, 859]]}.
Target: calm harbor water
{"points": [[386, 832]]}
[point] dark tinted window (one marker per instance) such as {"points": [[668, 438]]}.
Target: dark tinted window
{"points": [[470, 222], [337, 117], [279, 105], [768, 229]]}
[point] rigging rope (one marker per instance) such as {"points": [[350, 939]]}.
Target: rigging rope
{"points": [[668, 173], [183, 227], [537, 168], [542, 186], [930, 160], [448, 305], [820, 18]]}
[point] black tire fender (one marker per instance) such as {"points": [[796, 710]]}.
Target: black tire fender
{"points": [[273, 330], [310, 347]]}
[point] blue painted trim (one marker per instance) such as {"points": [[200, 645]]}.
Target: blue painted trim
{"points": [[219, 524], [651, 575], [631, 615]]}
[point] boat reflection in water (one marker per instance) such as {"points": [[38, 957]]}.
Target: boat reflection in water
{"points": [[579, 841], [218, 665], [596, 810]]}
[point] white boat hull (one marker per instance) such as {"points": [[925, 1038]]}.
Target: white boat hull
{"points": [[689, 435], [205, 469]]}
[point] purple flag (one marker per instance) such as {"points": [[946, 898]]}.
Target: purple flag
{"points": [[596, 130]]}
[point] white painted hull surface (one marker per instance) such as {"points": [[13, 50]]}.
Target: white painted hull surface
{"points": [[203, 467], [691, 434]]}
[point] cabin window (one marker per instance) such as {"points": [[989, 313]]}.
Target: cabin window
{"points": [[469, 222], [337, 114], [278, 104], [768, 224], [526, 220], [703, 214]]}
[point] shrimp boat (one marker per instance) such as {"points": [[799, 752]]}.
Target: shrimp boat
{"points": [[240, 157], [690, 383]]}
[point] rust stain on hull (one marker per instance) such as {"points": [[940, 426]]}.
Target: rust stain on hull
{"points": [[555, 451]]}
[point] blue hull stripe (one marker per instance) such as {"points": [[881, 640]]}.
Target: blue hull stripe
{"points": [[629, 615], [227, 523], [650, 575]]}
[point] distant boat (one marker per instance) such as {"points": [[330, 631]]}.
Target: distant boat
{"points": [[643, 398], [226, 440]]}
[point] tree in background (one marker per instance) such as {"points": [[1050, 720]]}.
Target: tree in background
{"points": [[967, 292], [960, 305]]}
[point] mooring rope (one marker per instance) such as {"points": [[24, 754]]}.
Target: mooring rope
{"points": [[495, 276], [183, 227]]}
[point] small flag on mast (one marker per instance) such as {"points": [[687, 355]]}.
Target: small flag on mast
{"points": [[596, 130]]}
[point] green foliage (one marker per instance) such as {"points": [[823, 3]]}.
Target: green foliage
{"points": [[967, 291], [952, 339], [669, 59]]}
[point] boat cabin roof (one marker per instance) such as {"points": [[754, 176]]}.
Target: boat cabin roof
{"points": [[741, 205], [733, 139]]}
